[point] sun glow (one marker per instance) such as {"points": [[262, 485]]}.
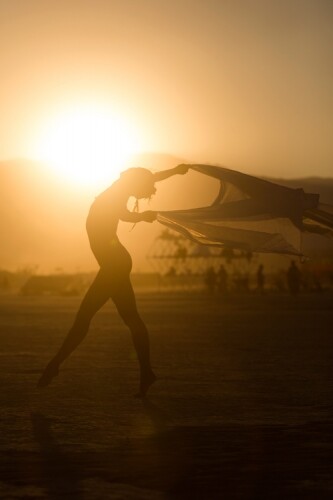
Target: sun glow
{"points": [[87, 145]]}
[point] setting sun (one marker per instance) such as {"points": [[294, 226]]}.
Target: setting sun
{"points": [[87, 145]]}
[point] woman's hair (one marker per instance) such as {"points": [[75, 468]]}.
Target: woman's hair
{"points": [[137, 175]]}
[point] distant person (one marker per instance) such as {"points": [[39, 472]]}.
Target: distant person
{"points": [[171, 271], [113, 278], [260, 279], [294, 278], [210, 279], [181, 252], [222, 280], [4, 285]]}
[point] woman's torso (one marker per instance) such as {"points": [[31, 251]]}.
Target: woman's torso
{"points": [[101, 225]]}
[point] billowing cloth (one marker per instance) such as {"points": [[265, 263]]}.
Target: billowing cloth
{"points": [[252, 214]]}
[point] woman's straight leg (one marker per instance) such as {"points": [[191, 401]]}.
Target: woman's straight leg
{"points": [[124, 299]]}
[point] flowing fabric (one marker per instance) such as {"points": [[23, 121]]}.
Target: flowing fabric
{"points": [[252, 214]]}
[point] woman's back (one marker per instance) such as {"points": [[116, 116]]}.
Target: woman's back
{"points": [[104, 214]]}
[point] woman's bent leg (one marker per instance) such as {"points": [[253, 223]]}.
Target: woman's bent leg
{"points": [[95, 298], [124, 299]]}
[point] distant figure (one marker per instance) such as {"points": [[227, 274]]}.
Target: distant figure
{"points": [[260, 279], [222, 280], [210, 279], [171, 271], [294, 278], [113, 278], [4, 284], [181, 252]]}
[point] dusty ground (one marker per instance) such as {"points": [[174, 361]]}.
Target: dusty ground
{"points": [[243, 408]]}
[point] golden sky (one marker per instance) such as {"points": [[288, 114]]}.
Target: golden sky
{"points": [[243, 83]]}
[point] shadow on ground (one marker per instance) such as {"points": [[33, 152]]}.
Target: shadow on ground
{"points": [[231, 461]]}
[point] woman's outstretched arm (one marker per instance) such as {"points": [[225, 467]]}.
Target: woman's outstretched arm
{"points": [[147, 216], [165, 174]]}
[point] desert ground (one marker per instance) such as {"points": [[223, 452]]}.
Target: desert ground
{"points": [[243, 408]]}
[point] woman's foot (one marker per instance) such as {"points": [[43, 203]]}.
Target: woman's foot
{"points": [[146, 380], [48, 374]]}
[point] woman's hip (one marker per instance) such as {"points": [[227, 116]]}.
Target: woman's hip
{"points": [[115, 258]]}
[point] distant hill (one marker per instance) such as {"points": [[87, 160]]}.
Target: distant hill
{"points": [[38, 219], [42, 221]]}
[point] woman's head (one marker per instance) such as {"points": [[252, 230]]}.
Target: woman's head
{"points": [[139, 181]]}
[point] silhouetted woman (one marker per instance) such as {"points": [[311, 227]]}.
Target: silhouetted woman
{"points": [[113, 278]]}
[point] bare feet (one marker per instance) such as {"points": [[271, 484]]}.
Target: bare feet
{"points": [[146, 380], [48, 374]]}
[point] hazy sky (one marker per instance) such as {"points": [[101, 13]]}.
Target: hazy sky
{"points": [[244, 83]]}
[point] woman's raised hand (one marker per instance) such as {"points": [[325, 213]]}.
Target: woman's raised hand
{"points": [[182, 169], [148, 216]]}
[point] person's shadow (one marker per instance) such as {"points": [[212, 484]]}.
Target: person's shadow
{"points": [[59, 473], [154, 462], [185, 461]]}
